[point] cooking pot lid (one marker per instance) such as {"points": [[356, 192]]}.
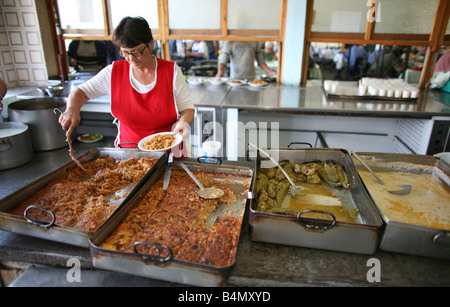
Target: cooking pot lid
{"points": [[8, 129]]}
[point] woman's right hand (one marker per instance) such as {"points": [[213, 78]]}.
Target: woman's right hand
{"points": [[69, 121]]}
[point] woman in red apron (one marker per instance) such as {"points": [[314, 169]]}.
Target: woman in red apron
{"points": [[148, 94]]}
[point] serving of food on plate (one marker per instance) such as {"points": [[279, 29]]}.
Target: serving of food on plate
{"points": [[90, 137], [236, 82], [257, 83], [160, 141]]}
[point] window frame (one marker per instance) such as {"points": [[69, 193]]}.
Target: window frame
{"points": [[432, 41]]}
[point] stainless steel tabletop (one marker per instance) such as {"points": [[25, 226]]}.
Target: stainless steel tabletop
{"points": [[207, 94], [299, 99], [311, 98]]}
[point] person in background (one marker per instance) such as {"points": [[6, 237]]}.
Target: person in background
{"points": [[87, 55], [373, 57], [443, 64], [213, 47], [199, 51], [389, 65], [242, 56], [340, 60], [356, 56], [112, 53], [148, 94], [269, 52], [3, 90]]}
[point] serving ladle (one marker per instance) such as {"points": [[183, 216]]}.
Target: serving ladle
{"points": [[296, 190], [207, 193], [406, 188]]}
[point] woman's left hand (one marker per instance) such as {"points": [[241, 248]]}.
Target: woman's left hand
{"points": [[183, 129]]}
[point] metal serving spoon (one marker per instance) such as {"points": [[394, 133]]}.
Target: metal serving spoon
{"points": [[296, 190], [207, 193], [406, 188]]}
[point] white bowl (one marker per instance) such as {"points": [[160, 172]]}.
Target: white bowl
{"points": [[217, 81], [195, 81]]}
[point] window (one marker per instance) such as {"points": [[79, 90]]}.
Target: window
{"points": [[423, 24], [208, 20]]}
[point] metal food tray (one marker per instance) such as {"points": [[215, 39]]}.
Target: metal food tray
{"points": [[408, 238], [64, 234], [360, 237], [169, 269]]}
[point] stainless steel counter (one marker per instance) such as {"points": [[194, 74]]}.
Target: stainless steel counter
{"points": [[208, 95], [312, 100], [309, 99]]}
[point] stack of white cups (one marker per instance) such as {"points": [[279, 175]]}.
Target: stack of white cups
{"points": [[387, 88]]}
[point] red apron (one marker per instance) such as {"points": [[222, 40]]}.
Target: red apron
{"points": [[140, 115]]}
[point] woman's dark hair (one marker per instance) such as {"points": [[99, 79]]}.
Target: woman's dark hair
{"points": [[131, 32]]}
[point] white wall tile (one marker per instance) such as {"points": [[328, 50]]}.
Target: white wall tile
{"points": [[36, 57], [19, 57], [22, 56], [7, 58], [23, 74]]}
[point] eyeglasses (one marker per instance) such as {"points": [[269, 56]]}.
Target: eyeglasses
{"points": [[136, 54]]}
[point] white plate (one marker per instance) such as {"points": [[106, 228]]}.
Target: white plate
{"points": [[87, 140], [178, 139], [257, 84], [217, 81], [236, 82], [195, 81]]}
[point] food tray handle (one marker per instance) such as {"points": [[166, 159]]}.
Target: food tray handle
{"points": [[120, 144], [153, 258], [39, 223], [442, 240], [315, 224]]}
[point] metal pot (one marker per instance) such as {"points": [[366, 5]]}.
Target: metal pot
{"points": [[15, 145], [37, 113]]}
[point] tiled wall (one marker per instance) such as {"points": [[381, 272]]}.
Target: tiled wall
{"points": [[22, 59]]}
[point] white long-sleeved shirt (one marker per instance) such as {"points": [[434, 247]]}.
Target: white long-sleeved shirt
{"points": [[100, 85]]}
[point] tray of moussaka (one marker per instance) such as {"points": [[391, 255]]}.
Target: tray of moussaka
{"points": [[174, 234], [417, 222], [334, 212], [69, 204]]}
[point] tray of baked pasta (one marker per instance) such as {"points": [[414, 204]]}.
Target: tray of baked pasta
{"points": [[417, 221], [70, 204], [174, 234]]}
